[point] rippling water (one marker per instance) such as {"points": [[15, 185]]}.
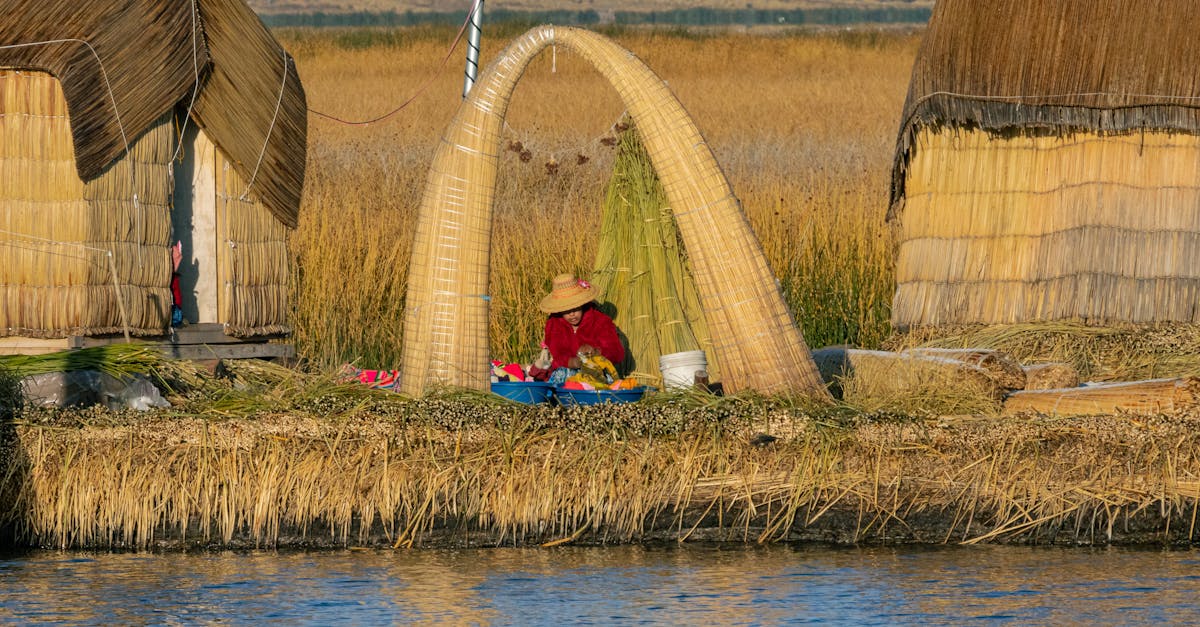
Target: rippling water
{"points": [[662, 585]]}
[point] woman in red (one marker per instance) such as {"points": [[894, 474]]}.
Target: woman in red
{"points": [[574, 322]]}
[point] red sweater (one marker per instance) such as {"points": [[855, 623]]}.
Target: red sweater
{"points": [[595, 329]]}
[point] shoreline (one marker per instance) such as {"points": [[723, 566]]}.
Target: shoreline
{"points": [[499, 478]]}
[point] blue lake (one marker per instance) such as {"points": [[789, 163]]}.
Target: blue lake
{"points": [[689, 585]]}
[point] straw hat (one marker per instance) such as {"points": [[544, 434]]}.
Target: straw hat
{"points": [[567, 293]]}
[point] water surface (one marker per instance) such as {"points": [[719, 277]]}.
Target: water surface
{"points": [[625, 585]]}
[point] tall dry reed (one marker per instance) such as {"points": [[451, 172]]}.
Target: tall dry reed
{"points": [[803, 124]]}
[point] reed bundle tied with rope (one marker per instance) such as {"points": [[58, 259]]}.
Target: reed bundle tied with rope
{"points": [[1154, 397], [641, 274], [446, 322], [881, 380], [1045, 165]]}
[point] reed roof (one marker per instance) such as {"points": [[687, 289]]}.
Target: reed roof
{"points": [[1106, 66], [124, 63]]}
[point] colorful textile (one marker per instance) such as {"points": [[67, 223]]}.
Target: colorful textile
{"points": [[507, 372], [379, 379]]}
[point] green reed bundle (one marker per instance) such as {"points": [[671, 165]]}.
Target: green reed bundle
{"points": [[641, 274], [118, 360]]}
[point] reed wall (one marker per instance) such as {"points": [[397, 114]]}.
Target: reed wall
{"points": [[1013, 228], [252, 259], [58, 231]]}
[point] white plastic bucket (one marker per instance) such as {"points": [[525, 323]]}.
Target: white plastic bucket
{"points": [[679, 369]]}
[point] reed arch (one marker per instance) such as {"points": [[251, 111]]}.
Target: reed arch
{"points": [[446, 314]]}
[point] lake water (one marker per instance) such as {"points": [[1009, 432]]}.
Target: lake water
{"points": [[696, 585]]}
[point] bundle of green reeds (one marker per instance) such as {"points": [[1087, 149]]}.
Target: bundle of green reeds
{"points": [[118, 360], [642, 276]]}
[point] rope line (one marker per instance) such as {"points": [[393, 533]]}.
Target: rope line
{"points": [[428, 82], [270, 129], [195, 86]]}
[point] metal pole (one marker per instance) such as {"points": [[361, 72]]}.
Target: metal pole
{"points": [[473, 33]]}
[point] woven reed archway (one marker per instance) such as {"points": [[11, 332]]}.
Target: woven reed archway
{"points": [[446, 313]]}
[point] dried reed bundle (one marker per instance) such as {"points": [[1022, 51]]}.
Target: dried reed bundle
{"points": [[1157, 396], [880, 380], [446, 321], [1006, 371], [1114, 352], [1050, 376], [641, 275]]}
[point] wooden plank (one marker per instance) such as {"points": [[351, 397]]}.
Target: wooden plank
{"points": [[32, 346], [208, 333], [260, 350]]}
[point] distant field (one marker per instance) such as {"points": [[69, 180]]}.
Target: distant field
{"points": [[601, 6]]}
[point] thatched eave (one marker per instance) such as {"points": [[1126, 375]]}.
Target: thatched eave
{"points": [[1029, 66]]}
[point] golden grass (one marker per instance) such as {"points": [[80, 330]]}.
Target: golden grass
{"points": [[803, 124]]}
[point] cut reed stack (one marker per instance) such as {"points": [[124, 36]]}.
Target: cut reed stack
{"points": [[88, 147], [446, 322], [1046, 165], [1155, 397], [641, 274]]}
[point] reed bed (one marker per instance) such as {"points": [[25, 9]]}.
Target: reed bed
{"points": [[809, 156], [440, 472]]}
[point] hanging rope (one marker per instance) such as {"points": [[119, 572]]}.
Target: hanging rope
{"points": [[441, 66]]}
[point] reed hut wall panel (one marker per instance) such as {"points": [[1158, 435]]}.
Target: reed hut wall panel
{"points": [[1047, 164], [69, 249], [1009, 229], [252, 259], [445, 341]]}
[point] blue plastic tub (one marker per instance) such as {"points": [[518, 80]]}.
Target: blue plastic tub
{"points": [[598, 397], [528, 392]]}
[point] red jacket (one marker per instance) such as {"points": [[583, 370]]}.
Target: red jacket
{"points": [[595, 329]]}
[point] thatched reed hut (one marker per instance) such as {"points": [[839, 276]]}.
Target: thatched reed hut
{"points": [[446, 309], [1048, 164], [125, 126]]}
